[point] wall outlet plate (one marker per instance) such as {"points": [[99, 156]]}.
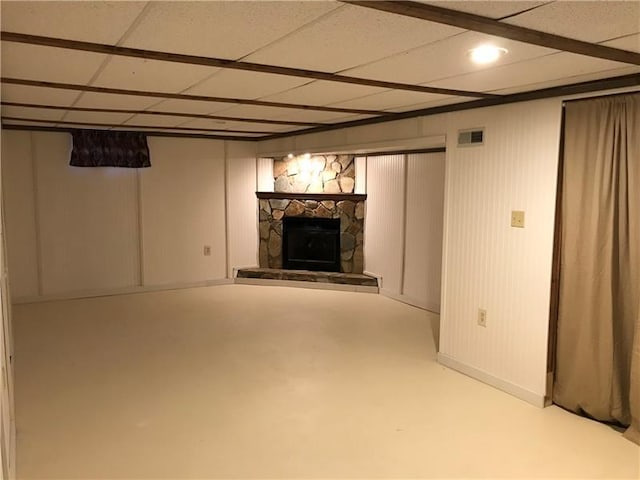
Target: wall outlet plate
{"points": [[207, 250], [517, 218], [482, 317]]}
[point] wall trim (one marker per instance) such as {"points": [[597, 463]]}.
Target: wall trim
{"points": [[371, 274], [414, 302], [118, 291], [227, 180], [140, 215], [36, 213], [528, 396], [398, 146]]}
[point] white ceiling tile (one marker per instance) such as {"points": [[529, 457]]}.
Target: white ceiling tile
{"points": [[583, 20], [221, 29], [190, 106], [205, 123], [38, 95], [389, 100], [260, 127], [35, 113], [491, 9], [349, 37], [254, 111], [630, 42], [243, 84], [155, 121], [151, 131], [551, 67], [435, 103], [247, 126], [108, 100], [326, 117], [323, 93], [150, 75], [97, 117], [93, 21], [47, 63], [578, 78], [444, 59]]}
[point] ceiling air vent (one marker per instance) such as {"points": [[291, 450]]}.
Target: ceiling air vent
{"points": [[468, 138]]}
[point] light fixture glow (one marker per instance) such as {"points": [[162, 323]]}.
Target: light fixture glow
{"points": [[486, 54], [290, 156]]}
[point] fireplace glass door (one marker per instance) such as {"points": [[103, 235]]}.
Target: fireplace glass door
{"points": [[311, 244]]}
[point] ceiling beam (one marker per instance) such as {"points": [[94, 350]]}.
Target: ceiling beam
{"points": [[183, 96], [624, 81], [490, 26], [40, 128], [117, 125], [223, 63], [161, 113]]}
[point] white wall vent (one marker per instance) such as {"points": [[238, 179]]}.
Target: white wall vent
{"points": [[468, 138]]}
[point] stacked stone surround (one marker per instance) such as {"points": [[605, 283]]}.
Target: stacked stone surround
{"points": [[315, 174], [350, 212]]}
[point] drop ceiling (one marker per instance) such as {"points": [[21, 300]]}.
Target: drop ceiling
{"points": [[53, 86]]}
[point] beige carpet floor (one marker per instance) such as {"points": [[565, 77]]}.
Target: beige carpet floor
{"points": [[243, 381]]}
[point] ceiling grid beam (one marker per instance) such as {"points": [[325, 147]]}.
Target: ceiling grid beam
{"points": [[490, 26], [183, 96], [230, 64], [161, 113], [120, 125], [150, 133]]}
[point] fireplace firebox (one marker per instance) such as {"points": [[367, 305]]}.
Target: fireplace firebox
{"points": [[311, 244]]}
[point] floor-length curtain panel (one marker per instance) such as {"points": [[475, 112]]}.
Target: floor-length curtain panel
{"points": [[598, 342]]}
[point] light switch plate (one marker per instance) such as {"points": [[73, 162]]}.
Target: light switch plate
{"points": [[517, 218]]}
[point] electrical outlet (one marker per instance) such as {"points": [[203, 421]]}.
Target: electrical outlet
{"points": [[482, 317], [207, 251], [517, 218]]}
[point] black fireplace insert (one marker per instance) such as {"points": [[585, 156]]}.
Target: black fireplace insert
{"points": [[311, 244]]}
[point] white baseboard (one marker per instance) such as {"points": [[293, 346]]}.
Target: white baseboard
{"points": [[312, 285], [414, 302], [510, 388], [119, 291]]}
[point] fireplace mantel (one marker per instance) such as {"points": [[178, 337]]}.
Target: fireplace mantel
{"points": [[354, 197]]}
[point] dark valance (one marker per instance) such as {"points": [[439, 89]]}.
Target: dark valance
{"points": [[108, 148]]}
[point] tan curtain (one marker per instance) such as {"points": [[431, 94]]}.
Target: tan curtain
{"points": [[598, 342]]}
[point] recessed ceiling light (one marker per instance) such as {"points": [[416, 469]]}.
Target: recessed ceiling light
{"points": [[486, 54]]}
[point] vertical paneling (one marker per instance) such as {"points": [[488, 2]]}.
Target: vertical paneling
{"points": [[19, 202], [7, 410], [384, 224], [361, 175], [87, 220], [423, 238], [242, 206], [183, 209], [265, 174], [487, 263]]}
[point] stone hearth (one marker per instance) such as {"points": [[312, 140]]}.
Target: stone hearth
{"points": [[309, 276]]}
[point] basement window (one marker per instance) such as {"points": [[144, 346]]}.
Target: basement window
{"points": [[109, 148]]}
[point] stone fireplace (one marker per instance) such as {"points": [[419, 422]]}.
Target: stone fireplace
{"points": [[316, 191], [348, 208]]}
